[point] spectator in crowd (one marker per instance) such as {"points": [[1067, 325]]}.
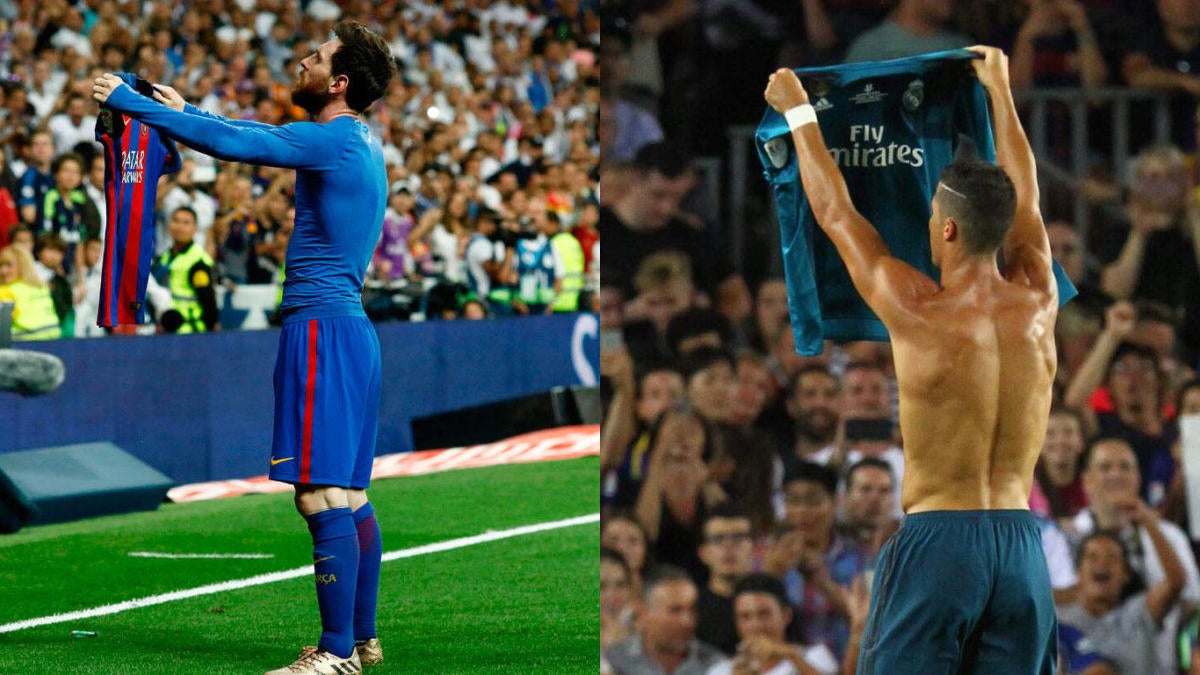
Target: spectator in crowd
{"points": [[645, 220], [867, 515], [761, 615], [665, 641], [696, 328], [1051, 42], [1131, 405], [710, 382], [664, 290], [1110, 479], [770, 314], [812, 405], [1165, 55], [1156, 256], [67, 211], [727, 551], [622, 533], [913, 27], [626, 433], [815, 562], [33, 315], [678, 490], [1058, 485], [9, 189], [181, 189], [50, 251], [93, 187], [616, 598], [21, 236], [624, 125], [393, 259], [1124, 628], [87, 298], [74, 125], [38, 178], [1174, 507]]}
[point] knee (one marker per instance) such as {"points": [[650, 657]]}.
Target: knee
{"points": [[310, 500]]}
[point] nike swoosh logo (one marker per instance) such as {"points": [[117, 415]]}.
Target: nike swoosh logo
{"points": [[281, 461], [320, 560]]}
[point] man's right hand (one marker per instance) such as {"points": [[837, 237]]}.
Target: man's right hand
{"points": [[992, 69], [169, 97], [1120, 318], [784, 91]]}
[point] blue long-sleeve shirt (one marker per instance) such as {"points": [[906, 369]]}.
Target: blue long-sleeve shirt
{"points": [[341, 192]]}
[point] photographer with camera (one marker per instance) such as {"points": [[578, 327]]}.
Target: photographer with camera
{"points": [[489, 262]]}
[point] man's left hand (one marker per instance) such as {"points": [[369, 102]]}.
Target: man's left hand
{"points": [[104, 86], [784, 91]]}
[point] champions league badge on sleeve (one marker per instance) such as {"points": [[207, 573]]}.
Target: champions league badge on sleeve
{"points": [[777, 151]]}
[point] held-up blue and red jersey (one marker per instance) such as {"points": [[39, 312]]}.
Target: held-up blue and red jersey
{"points": [[341, 191], [135, 155]]}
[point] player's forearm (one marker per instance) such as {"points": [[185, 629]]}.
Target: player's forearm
{"points": [[822, 180], [1013, 153], [201, 112], [211, 135]]}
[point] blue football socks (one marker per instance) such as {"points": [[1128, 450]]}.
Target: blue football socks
{"points": [[335, 560], [370, 554]]}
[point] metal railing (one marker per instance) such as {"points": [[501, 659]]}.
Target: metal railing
{"points": [[1037, 106]]}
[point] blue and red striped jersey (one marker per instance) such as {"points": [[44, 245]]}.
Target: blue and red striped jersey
{"points": [[135, 155]]}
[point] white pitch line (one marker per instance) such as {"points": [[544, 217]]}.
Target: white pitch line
{"points": [[200, 556], [272, 577]]}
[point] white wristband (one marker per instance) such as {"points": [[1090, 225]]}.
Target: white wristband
{"points": [[799, 116]]}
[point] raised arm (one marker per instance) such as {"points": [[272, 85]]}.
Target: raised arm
{"points": [[887, 284], [1162, 596], [1026, 244], [295, 146]]}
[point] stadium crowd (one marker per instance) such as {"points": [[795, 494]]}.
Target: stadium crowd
{"points": [[488, 138], [746, 490]]}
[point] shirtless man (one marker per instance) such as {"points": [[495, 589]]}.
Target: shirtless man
{"points": [[963, 586]]}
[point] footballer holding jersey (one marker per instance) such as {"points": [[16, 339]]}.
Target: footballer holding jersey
{"points": [[327, 373]]}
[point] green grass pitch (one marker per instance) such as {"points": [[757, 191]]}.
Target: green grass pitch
{"points": [[526, 604]]}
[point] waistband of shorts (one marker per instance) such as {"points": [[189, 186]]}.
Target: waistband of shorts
{"points": [[296, 314], [979, 516]]}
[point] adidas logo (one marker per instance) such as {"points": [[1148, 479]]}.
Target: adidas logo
{"points": [[822, 104]]}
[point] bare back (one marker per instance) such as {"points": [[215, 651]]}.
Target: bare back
{"points": [[975, 368]]}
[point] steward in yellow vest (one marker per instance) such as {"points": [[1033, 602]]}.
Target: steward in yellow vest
{"points": [[189, 271]]}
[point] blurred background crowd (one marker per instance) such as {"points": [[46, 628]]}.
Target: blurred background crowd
{"points": [[489, 138], [741, 480]]}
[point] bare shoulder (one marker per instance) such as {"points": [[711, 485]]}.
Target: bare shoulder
{"points": [[1027, 260], [901, 293]]}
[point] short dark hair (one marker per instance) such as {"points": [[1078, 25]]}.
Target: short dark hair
{"points": [[365, 59], [762, 583], [49, 240], [1135, 583], [810, 472], [980, 198], [1085, 458], [1184, 388], [189, 209], [729, 510], [869, 463], [63, 159], [663, 574], [703, 358], [661, 157], [812, 369]]}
